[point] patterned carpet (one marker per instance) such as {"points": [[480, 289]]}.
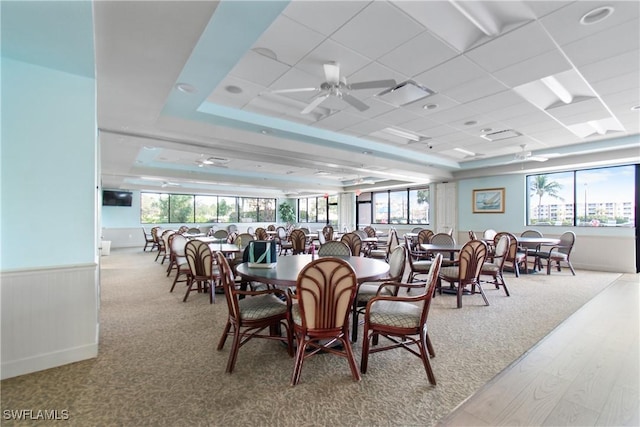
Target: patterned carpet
{"points": [[158, 364]]}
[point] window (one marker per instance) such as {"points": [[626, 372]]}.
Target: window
{"points": [[419, 206], [333, 210], [188, 208], [303, 212], [321, 202], [154, 208], [410, 206], [603, 197], [312, 211]]}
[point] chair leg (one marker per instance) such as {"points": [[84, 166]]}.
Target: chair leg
{"points": [[571, 268], [223, 338], [350, 357], [432, 352], [233, 355], [424, 343], [354, 321], [364, 358], [297, 365]]}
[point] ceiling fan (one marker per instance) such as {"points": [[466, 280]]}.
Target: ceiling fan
{"points": [[336, 85], [525, 155], [219, 162]]}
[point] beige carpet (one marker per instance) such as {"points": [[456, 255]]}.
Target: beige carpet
{"points": [[158, 365]]}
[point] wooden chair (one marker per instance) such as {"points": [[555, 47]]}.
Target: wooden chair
{"points": [[353, 241], [515, 257], [559, 253], [385, 251], [222, 234], [466, 274], [495, 267], [282, 240], [251, 312], [418, 263], [325, 290], [261, 234], [530, 249], [155, 234], [163, 248], [203, 274], [148, 240], [402, 320], [445, 239], [298, 240], [367, 290], [334, 248], [178, 259], [327, 232]]}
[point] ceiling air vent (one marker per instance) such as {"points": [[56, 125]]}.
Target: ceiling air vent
{"points": [[404, 93], [501, 134]]}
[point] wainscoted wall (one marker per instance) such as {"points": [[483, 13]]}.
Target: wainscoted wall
{"points": [[49, 317]]}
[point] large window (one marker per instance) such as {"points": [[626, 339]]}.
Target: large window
{"points": [[187, 208], [410, 206], [314, 209], [603, 197]]}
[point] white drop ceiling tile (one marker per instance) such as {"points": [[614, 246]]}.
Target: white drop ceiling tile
{"points": [[259, 69], [377, 29], [365, 127], [441, 102], [523, 43], [396, 117], [629, 81], [418, 55], [565, 27], [556, 137], [542, 8], [437, 131], [546, 64], [330, 51], [237, 100], [475, 89], [324, 17], [294, 79], [494, 102], [612, 66], [535, 116], [376, 108], [622, 102], [450, 74], [452, 115], [605, 44], [416, 125], [338, 121]]}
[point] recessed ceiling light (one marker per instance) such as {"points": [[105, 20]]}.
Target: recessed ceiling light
{"points": [[430, 106], [366, 152], [185, 88], [596, 15], [470, 123], [635, 107], [264, 132], [485, 130], [233, 89]]}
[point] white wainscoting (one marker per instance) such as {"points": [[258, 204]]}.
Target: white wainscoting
{"points": [[49, 317]]}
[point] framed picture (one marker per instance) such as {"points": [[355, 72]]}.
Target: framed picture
{"points": [[488, 200]]}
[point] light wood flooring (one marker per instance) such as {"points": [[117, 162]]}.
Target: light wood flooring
{"points": [[585, 372]]}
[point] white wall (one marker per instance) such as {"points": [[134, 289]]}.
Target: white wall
{"points": [[49, 288]]}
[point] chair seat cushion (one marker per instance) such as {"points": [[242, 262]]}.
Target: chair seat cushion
{"points": [[395, 313], [452, 272], [554, 255], [366, 291], [378, 253], [260, 307], [422, 266], [489, 267]]}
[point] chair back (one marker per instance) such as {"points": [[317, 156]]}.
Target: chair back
{"points": [[154, 233], [221, 234], [361, 234], [430, 285], [298, 241], [327, 231], [271, 227], [567, 239], [392, 241], [472, 255], [177, 244], [232, 228], [501, 252], [424, 236], [305, 230], [325, 290], [165, 239], [229, 285], [321, 238], [261, 234], [397, 263], [416, 229], [334, 248], [250, 230], [183, 229], [489, 234], [443, 239], [530, 233], [200, 259], [194, 230], [353, 241], [513, 244], [472, 235], [281, 233], [371, 232]]}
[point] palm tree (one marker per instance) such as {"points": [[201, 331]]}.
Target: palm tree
{"points": [[541, 186]]}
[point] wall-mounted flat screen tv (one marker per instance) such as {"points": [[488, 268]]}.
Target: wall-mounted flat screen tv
{"points": [[116, 198]]}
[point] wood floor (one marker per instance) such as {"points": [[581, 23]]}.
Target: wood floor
{"points": [[586, 372]]}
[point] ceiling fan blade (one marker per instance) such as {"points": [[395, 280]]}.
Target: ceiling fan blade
{"points": [[355, 102], [312, 106], [332, 73], [373, 84], [538, 158], [300, 89]]}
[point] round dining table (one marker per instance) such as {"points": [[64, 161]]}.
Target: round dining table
{"points": [[285, 273]]}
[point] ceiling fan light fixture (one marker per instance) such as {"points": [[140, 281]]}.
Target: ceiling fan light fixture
{"points": [[185, 88], [404, 93]]}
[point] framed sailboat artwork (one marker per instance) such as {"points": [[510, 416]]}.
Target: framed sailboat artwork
{"points": [[488, 200]]}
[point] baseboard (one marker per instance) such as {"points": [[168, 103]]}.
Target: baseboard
{"points": [[46, 361]]}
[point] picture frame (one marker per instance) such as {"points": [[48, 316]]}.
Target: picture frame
{"points": [[488, 200]]}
